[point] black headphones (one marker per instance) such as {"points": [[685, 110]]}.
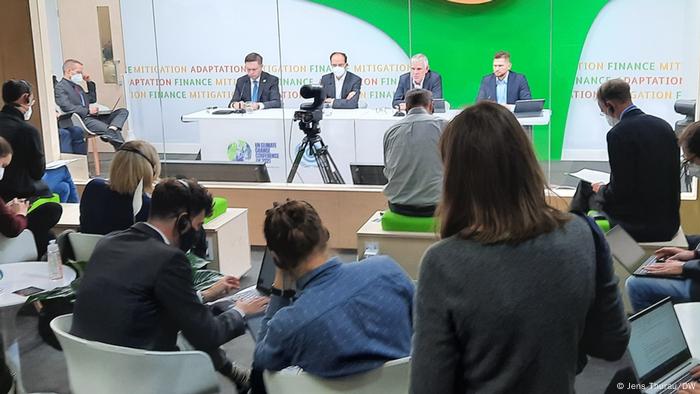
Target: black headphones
{"points": [[133, 150], [183, 221]]}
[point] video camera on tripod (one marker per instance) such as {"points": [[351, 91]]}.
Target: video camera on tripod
{"points": [[309, 116]]}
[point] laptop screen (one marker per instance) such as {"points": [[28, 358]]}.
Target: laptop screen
{"points": [[267, 273], [624, 248], [657, 345]]}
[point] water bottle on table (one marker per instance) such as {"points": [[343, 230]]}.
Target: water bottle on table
{"points": [[54, 257]]}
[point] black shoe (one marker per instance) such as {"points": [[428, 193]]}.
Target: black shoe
{"points": [[240, 377], [112, 141]]}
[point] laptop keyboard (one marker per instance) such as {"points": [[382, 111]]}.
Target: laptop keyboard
{"points": [[650, 260], [246, 294], [676, 384]]}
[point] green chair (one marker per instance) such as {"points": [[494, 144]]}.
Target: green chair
{"points": [[54, 198], [394, 222], [218, 208], [602, 222]]}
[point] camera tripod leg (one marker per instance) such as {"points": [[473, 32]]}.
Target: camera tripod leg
{"points": [[297, 160]]}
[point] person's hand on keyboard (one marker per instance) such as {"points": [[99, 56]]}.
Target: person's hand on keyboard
{"points": [[667, 268], [675, 254], [253, 306], [221, 288]]}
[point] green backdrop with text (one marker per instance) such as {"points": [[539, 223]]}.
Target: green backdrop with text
{"points": [[544, 37]]}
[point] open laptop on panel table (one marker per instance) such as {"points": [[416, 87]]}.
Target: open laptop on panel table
{"points": [[528, 108], [368, 174], [659, 351], [628, 252]]}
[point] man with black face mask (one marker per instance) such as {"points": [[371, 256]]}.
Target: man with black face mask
{"points": [[137, 289]]}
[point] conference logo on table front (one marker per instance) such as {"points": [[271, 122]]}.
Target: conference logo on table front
{"points": [[239, 151]]}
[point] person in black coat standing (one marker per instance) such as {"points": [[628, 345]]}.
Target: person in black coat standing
{"points": [[643, 195]]}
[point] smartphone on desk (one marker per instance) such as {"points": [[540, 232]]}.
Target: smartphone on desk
{"points": [[27, 291]]}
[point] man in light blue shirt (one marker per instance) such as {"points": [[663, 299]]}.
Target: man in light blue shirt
{"points": [[503, 85]]}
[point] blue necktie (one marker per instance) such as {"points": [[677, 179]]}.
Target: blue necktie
{"points": [[255, 92]]}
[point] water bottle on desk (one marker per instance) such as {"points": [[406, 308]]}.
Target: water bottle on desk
{"points": [[54, 257]]}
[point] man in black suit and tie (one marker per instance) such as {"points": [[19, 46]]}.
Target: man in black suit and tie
{"points": [[341, 87], [643, 195], [71, 98], [137, 289], [503, 85], [420, 77], [259, 88]]}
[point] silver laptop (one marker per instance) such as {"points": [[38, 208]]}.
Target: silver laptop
{"points": [[660, 354], [528, 108], [628, 252]]}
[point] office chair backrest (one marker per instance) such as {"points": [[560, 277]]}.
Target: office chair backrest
{"points": [[83, 244], [17, 249], [391, 378], [95, 367]]}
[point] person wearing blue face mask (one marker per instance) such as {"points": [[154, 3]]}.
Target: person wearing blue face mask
{"points": [[71, 98]]}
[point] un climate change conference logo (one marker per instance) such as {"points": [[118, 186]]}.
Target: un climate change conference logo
{"points": [[239, 151]]}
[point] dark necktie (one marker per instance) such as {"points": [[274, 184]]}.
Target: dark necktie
{"points": [[80, 94]]}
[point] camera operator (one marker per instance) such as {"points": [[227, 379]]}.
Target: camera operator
{"points": [[347, 317]]}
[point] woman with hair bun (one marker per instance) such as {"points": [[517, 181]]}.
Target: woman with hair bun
{"points": [[327, 317]]}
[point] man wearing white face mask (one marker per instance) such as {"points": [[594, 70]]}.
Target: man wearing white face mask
{"points": [[71, 98], [643, 195], [341, 87]]}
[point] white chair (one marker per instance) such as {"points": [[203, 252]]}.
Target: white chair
{"points": [[689, 317], [95, 367], [19, 248], [391, 378], [83, 244]]}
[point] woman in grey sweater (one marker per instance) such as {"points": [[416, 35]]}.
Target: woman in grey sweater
{"points": [[516, 293]]}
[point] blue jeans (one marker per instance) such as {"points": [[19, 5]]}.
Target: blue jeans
{"points": [[61, 183], [72, 140], [645, 291]]}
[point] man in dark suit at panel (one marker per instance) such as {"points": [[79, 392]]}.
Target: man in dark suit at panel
{"points": [[137, 289], [259, 88], [643, 195], [420, 77], [71, 98], [341, 87], [503, 85]]}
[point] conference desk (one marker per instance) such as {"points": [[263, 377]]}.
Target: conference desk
{"points": [[271, 136]]}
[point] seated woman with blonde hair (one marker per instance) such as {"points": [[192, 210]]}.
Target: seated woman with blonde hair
{"points": [[124, 199]]}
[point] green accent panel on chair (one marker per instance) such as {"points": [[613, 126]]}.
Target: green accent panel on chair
{"points": [[600, 220], [54, 198], [219, 207], [544, 37], [394, 222]]}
